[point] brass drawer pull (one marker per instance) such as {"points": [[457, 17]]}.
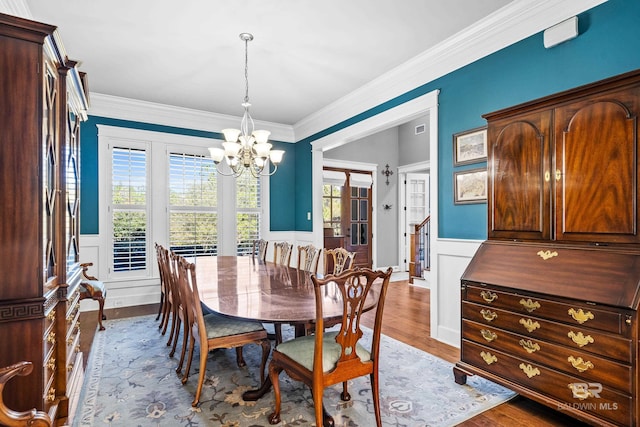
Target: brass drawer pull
{"points": [[489, 296], [545, 255], [51, 338], [529, 346], [580, 364], [580, 339], [51, 395], [488, 335], [488, 315], [529, 305], [51, 363], [529, 324], [52, 315], [580, 316], [488, 357], [529, 370]]}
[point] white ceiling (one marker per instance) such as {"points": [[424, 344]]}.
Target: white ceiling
{"points": [[305, 55]]}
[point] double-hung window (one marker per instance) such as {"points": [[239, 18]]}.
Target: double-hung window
{"points": [[248, 212], [129, 208], [193, 198], [163, 188]]}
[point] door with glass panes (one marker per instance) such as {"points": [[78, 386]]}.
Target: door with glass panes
{"points": [[347, 215]]}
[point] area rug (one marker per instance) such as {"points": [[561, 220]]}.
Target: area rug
{"points": [[131, 381]]}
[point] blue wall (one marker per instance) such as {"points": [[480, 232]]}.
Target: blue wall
{"points": [[281, 218], [608, 44]]}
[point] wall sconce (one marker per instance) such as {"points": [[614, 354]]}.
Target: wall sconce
{"points": [[387, 173]]}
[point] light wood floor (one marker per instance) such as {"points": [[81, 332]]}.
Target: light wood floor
{"points": [[406, 318]]}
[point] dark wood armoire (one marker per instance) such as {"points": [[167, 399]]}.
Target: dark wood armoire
{"points": [[42, 102], [550, 300]]}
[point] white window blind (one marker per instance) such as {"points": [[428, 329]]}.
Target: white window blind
{"points": [[129, 209], [360, 180], [193, 216], [248, 212]]}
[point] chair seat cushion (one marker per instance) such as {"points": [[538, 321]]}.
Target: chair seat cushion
{"points": [[301, 350], [222, 326], [94, 286]]}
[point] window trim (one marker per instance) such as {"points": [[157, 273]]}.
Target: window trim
{"points": [[160, 145]]}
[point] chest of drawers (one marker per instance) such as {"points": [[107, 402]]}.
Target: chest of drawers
{"points": [[553, 329]]}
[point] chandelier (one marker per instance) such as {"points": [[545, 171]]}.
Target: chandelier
{"points": [[246, 148]]}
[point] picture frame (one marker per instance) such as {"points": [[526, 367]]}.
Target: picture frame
{"points": [[470, 146], [470, 186]]}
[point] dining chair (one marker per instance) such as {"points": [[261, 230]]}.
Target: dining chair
{"points": [[282, 253], [308, 257], [214, 330], [328, 358], [337, 260], [281, 258], [92, 288], [260, 249], [13, 418], [164, 305]]}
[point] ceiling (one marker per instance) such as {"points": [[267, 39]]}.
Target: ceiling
{"points": [[305, 54]]}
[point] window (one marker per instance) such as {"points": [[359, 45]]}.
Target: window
{"points": [[193, 218], [248, 208], [332, 209], [129, 209], [163, 188]]}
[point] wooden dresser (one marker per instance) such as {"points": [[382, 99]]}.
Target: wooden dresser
{"points": [[42, 103], [550, 300]]}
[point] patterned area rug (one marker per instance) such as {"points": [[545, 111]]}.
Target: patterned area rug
{"points": [[131, 381]]}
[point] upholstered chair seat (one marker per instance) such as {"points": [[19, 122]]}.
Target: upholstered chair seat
{"points": [[301, 350]]}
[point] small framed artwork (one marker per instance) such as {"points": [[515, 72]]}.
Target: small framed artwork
{"points": [[470, 146], [470, 186]]}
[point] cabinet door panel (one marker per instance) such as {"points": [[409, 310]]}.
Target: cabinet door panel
{"points": [[519, 164], [596, 170]]}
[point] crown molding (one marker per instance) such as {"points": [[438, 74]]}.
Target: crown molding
{"points": [[516, 21], [116, 107]]}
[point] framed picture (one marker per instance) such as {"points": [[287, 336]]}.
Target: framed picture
{"points": [[470, 146], [470, 186]]}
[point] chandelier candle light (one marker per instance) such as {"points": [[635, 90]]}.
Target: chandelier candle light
{"points": [[246, 148]]}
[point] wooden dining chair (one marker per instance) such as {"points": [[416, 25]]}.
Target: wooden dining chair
{"points": [[282, 253], [164, 291], [215, 330], [308, 257], [260, 249], [328, 358], [337, 260]]}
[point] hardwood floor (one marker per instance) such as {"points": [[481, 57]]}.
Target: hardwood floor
{"points": [[406, 318]]}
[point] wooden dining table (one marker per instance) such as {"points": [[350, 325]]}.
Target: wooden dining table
{"points": [[246, 288]]}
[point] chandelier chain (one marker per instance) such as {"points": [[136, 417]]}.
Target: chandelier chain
{"points": [[246, 69]]}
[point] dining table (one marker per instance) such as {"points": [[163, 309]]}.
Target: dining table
{"points": [[245, 287]]}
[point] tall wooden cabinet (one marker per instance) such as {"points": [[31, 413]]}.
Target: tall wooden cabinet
{"points": [[550, 301], [42, 102]]}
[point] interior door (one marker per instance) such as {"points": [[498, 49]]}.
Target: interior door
{"points": [[358, 229], [417, 208]]}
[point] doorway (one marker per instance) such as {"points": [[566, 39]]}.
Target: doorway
{"points": [[347, 212]]}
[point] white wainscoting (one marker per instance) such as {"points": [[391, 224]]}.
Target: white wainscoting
{"points": [[449, 261]]}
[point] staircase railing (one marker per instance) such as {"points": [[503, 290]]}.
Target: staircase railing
{"points": [[421, 249]]}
